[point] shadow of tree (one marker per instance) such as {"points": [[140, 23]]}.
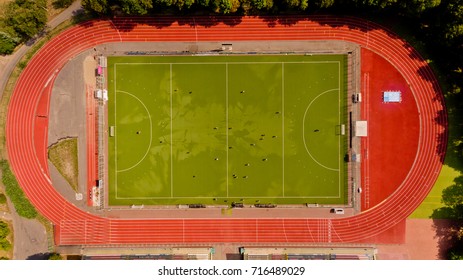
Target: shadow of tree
{"points": [[210, 20], [39, 256], [352, 23], [127, 24], [448, 220], [442, 137], [447, 234], [285, 20], [455, 130]]}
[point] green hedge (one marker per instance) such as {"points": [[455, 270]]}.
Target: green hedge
{"points": [[4, 231], [22, 205]]}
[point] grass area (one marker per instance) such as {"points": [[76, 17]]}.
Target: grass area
{"points": [[63, 155], [22, 205], [218, 129], [433, 200]]}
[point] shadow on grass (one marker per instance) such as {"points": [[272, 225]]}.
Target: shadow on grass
{"points": [[448, 220]]}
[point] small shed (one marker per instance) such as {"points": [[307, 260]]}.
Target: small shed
{"points": [[392, 97], [361, 129]]}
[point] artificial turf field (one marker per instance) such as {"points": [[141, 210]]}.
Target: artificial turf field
{"points": [[223, 129]]}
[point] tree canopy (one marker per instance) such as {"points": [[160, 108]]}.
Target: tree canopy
{"points": [[20, 21], [141, 7], [26, 17]]}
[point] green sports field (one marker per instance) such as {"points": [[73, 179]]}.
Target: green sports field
{"points": [[223, 129]]}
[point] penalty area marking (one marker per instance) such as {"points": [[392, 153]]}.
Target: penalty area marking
{"points": [[151, 132], [303, 130]]}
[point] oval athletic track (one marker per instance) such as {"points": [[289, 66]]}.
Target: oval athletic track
{"points": [[74, 226]]}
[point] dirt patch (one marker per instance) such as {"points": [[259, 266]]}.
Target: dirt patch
{"points": [[63, 155], [4, 1], [89, 71]]}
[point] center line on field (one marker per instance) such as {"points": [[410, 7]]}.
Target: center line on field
{"points": [[115, 125], [226, 114], [340, 136], [283, 122], [171, 139]]}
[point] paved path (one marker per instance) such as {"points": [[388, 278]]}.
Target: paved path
{"points": [[5, 216], [29, 235]]}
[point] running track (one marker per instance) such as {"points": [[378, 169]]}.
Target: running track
{"points": [[74, 226]]}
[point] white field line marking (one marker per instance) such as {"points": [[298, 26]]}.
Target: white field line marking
{"points": [[283, 123], [151, 132], [284, 229], [226, 117], [339, 122], [303, 129], [229, 62], [230, 197], [118, 33], [115, 124], [171, 125], [171, 138]]}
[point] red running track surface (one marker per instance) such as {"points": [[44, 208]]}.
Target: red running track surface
{"points": [[393, 130], [74, 226]]}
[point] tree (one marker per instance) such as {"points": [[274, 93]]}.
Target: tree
{"points": [[26, 17], [4, 230], [324, 3], [184, 4], [204, 3], [62, 3], [2, 198], [7, 43], [96, 6], [416, 7], [453, 196], [226, 6], [452, 234], [5, 245], [55, 256], [260, 4], [136, 7]]}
